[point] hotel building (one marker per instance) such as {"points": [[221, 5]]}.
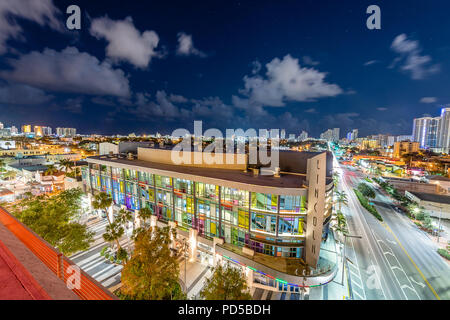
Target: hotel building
{"points": [[275, 223]]}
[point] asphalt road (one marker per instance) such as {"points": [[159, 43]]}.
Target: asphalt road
{"points": [[394, 259]]}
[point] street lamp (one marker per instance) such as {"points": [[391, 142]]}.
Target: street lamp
{"points": [[344, 258]]}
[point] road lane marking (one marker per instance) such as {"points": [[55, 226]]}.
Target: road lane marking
{"points": [[419, 283], [392, 267], [417, 268], [391, 241]]}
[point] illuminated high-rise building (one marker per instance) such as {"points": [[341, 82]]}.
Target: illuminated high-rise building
{"points": [[425, 131], [443, 135], [26, 128]]}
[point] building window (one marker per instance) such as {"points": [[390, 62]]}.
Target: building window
{"points": [[183, 186], [265, 202], [207, 191], [234, 197], [264, 223], [163, 182], [292, 204], [290, 225]]}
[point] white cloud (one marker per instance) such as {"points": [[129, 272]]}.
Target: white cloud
{"points": [[411, 58], [382, 109], [371, 62], [42, 12], [186, 46], [68, 71], [311, 110], [285, 80], [125, 42], [428, 100], [309, 61], [178, 98]]}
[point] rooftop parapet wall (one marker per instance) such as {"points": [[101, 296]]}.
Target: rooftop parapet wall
{"points": [[227, 161]]}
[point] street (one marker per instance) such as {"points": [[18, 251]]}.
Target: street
{"points": [[394, 259]]}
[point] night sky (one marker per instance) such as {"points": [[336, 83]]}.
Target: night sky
{"points": [[148, 66]]}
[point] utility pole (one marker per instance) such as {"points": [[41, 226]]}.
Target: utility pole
{"points": [[439, 224], [344, 258]]}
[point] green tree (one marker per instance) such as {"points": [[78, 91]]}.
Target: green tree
{"points": [[114, 231], [341, 199], [366, 190], [54, 219], [226, 283], [428, 222], [341, 225], [145, 214], [152, 272], [102, 201], [51, 169], [124, 217], [335, 179], [2, 164], [65, 164]]}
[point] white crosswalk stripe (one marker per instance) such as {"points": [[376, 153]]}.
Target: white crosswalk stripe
{"points": [[90, 261]]}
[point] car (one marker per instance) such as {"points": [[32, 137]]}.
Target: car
{"points": [[398, 209]]}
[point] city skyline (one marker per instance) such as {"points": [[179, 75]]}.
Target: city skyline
{"points": [[197, 67]]}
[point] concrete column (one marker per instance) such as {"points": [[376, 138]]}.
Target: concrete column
{"points": [[90, 198], [193, 233], [249, 276], [268, 223], [153, 220], [172, 226], [217, 258], [137, 219]]}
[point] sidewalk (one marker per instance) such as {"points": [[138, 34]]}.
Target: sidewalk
{"points": [[333, 290], [195, 276]]}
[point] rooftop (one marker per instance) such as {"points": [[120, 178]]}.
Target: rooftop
{"points": [[438, 178], [4, 192], [292, 165], [23, 276], [432, 197]]}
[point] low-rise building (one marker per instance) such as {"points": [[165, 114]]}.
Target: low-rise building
{"points": [[273, 223], [404, 147], [436, 205]]}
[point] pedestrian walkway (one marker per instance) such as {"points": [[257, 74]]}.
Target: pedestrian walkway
{"points": [[102, 270], [196, 273]]}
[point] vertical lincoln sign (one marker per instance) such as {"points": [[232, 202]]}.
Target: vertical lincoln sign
{"points": [[316, 206]]}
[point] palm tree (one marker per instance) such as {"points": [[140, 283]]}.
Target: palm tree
{"points": [[341, 199], [124, 217], [114, 231], [335, 179], [341, 223], [66, 164], [51, 169], [102, 201], [145, 214]]}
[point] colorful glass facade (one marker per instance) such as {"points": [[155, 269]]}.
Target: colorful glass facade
{"points": [[269, 224]]}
